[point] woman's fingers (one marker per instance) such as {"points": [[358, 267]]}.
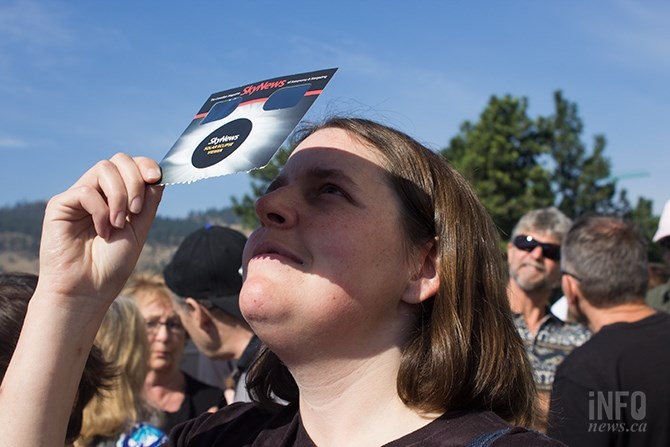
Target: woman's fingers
{"points": [[151, 172], [122, 182], [94, 231]]}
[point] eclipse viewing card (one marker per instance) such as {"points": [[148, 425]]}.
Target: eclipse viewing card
{"points": [[240, 129]]}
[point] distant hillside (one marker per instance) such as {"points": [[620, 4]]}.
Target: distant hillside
{"points": [[21, 229]]}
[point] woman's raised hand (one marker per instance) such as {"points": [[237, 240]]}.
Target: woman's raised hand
{"points": [[94, 232]]}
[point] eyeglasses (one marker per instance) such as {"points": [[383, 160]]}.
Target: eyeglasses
{"points": [[527, 243], [174, 327]]}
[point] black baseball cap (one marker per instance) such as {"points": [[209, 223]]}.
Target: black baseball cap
{"points": [[206, 266]]}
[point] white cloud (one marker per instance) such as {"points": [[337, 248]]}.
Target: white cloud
{"points": [[12, 143]]}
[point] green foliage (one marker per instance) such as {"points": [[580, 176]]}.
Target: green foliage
{"points": [[23, 219], [500, 156], [245, 208], [581, 182], [21, 226]]}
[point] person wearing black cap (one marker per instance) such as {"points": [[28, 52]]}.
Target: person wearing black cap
{"points": [[204, 274]]}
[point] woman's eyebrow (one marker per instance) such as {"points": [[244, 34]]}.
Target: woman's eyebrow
{"points": [[318, 173], [331, 174]]}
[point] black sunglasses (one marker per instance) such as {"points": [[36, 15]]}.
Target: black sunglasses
{"points": [[527, 243]]}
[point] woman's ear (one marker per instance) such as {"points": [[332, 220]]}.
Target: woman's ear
{"points": [[425, 282]]}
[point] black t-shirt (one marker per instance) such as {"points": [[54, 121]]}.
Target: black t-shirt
{"points": [[614, 390], [198, 398], [246, 424]]}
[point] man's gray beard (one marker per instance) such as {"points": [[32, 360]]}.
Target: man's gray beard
{"points": [[534, 287]]}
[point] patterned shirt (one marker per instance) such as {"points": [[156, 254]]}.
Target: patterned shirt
{"points": [[552, 343]]}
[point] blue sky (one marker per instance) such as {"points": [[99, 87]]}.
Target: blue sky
{"points": [[82, 80]]}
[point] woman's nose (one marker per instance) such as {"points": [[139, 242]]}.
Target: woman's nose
{"points": [[278, 207]]}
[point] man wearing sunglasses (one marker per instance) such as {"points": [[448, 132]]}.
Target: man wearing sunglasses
{"points": [[659, 297], [533, 257]]}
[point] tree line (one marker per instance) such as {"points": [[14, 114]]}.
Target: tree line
{"points": [[21, 226]]}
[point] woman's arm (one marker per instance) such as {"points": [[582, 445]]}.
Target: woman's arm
{"points": [[92, 236]]}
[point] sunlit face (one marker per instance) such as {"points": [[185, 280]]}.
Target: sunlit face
{"points": [[531, 270], [167, 337], [326, 269]]}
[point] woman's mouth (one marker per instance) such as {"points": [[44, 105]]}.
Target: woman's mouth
{"points": [[271, 250]]}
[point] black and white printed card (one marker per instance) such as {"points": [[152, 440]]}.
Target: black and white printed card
{"points": [[240, 129]]}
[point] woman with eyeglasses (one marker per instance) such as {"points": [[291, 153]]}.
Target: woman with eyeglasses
{"points": [[375, 281], [178, 395], [119, 416]]}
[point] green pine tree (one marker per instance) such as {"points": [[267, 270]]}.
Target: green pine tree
{"points": [[582, 182], [500, 157]]}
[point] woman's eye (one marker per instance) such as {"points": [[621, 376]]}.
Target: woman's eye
{"points": [[331, 189]]}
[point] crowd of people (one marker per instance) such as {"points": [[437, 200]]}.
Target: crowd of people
{"points": [[372, 306]]}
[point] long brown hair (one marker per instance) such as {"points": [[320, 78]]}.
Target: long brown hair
{"points": [[464, 353]]}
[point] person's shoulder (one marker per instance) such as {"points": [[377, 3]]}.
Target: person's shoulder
{"points": [[500, 433], [235, 424], [632, 332], [661, 317], [202, 394], [659, 297], [521, 437], [652, 330], [495, 431], [474, 429], [659, 290], [586, 356], [191, 383]]}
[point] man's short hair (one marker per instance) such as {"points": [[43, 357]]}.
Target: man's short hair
{"points": [[550, 221], [608, 256]]}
